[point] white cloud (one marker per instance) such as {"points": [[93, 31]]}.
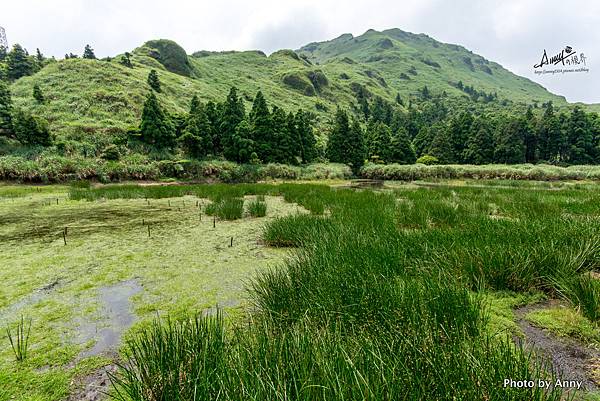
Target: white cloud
{"points": [[511, 32]]}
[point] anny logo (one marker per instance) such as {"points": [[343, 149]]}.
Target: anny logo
{"points": [[567, 59]]}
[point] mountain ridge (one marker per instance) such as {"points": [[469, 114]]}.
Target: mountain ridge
{"points": [[104, 97]]}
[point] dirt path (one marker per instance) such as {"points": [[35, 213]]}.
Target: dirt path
{"points": [[572, 360]]}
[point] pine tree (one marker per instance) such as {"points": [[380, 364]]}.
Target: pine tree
{"points": [[460, 130], [30, 130], [38, 95], [39, 56], [401, 149], [196, 138], [18, 63], [214, 120], [530, 137], [232, 114], [509, 143], [442, 147], [88, 53], [377, 141], [355, 147], [282, 146], [154, 81], [156, 128], [241, 147], [424, 138], [346, 142], [399, 99], [480, 143], [260, 122], [3, 53], [336, 146], [581, 138], [126, 60], [306, 136], [5, 110], [549, 135], [194, 104]]}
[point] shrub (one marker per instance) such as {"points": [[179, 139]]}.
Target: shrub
{"points": [[428, 160]]}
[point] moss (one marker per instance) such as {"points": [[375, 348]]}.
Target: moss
{"points": [[564, 321]]}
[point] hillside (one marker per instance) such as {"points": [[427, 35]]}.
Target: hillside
{"points": [[104, 97]]}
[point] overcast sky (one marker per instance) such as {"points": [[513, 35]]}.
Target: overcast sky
{"points": [[513, 33]]}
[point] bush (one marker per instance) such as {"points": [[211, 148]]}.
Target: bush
{"points": [[428, 160]]}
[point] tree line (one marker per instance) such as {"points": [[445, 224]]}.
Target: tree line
{"points": [[434, 134], [224, 129]]}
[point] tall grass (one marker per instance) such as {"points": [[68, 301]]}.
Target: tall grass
{"points": [[19, 340], [380, 298], [411, 172], [226, 208], [257, 208]]}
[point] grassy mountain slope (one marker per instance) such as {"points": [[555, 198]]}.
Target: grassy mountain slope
{"points": [[97, 99], [425, 61]]}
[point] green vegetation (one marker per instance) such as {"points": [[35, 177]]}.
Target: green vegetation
{"points": [[59, 286], [161, 102], [226, 208], [383, 292], [566, 322], [365, 274], [500, 171], [19, 340], [257, 208]]}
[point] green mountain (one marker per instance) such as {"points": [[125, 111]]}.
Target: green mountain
{"points": [[96, 99]]}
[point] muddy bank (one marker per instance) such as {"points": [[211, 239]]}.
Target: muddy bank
{"points": [[570, 359]]}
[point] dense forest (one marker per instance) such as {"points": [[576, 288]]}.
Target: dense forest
{"points": [[423, 128]]}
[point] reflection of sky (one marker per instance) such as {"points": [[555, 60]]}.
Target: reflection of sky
{"points": [[513, 33]]}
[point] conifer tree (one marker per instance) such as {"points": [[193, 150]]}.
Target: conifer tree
{"points": [[232, 114], [241, 147], [480, 143], [18, 63], [509, 143], [336, 146], [424, 138], [377, 140], [214, 120], [5, 110], [530, 137], [549, 135], [581, 138], [441, 147], [355, 147], [30, 130], [126, 60], [38, 95], [306, 136], [88, 53], [154, 81], [282, 148], [460, 130], [196, 139], [260, 122], [39, 56], [401, 149], [156, 128]]}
